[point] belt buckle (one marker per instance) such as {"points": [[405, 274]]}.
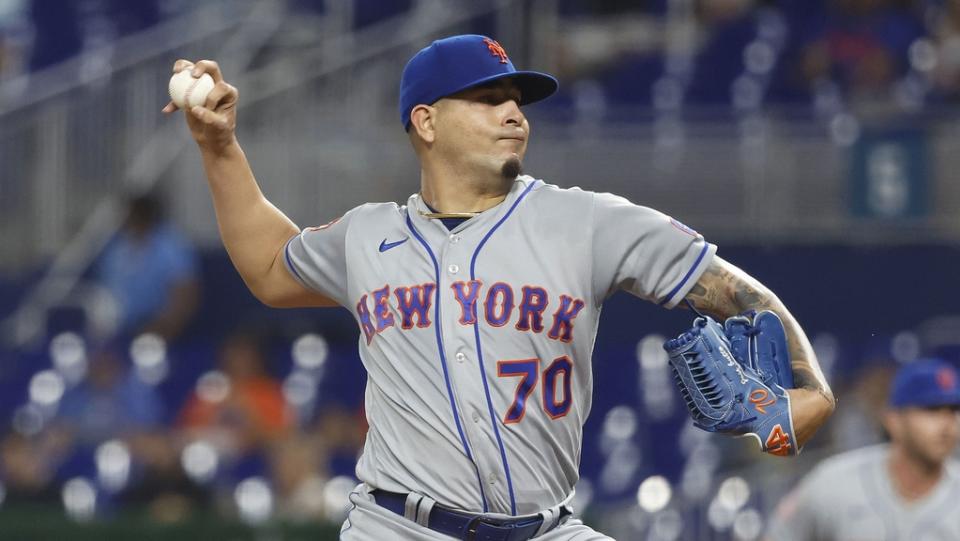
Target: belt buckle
{"points": [[471, 533]]}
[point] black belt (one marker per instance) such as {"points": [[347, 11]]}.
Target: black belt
{"points": [[467, 526]]}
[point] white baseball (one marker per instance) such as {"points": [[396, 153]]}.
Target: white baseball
{"points": [[189, 91]]}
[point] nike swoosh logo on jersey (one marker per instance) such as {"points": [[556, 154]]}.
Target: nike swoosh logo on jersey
{"points": [[384, 246]]}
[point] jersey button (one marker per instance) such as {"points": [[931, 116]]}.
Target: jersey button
{"points": [[454, 239], [453, 269], [492, 478], [476, 417], [460, 356]]}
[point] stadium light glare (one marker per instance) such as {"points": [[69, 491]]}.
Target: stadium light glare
{"points": [[650, 352], [310, 351], [28, 420], [113, 465], [667, 526], [336, 497], [748, 525], [733, 493], [620, 423], [720, 516], [254, 500], [654, 493], [68, 353], [149, 354], [582, 497], [200, 460], [300, 389], [213, 386], [46, 388], [79, 499]]}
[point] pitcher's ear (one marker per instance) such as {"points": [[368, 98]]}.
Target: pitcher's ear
{"points": [[422, 120]]}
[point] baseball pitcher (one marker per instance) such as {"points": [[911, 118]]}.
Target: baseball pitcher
{"points": [[478, 301]]}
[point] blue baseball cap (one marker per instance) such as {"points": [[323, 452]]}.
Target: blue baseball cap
{"points": [[457, 63], [925, 383]]}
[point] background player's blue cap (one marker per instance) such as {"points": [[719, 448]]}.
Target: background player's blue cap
{"points": [[457, 63], [925, 383]]}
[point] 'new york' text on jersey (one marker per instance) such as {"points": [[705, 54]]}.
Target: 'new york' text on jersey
{"points": [[477, 341]]}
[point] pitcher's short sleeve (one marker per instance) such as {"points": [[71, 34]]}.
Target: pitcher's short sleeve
{"points": [[644, 252], [317, 257]]}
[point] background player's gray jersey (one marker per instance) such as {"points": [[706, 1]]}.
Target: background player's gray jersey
{"points": [[477, 341], [850, 497]]}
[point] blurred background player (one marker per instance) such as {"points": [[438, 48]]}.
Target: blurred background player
{"points": [[907, 489]]}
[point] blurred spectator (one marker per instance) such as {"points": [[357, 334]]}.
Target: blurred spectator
{"points": [[150, 270], [298, 474], [861, 44], [28, 465], [903, 490], [341, 434], [945, 31], [112, 402], [240, 409], [12, 22], [109, 404], [301, 464]]}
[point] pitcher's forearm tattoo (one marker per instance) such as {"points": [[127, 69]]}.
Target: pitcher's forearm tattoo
{"points": [[724, 290]]}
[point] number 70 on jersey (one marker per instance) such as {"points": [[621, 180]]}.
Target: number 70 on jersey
{"points": [[554, 381]]}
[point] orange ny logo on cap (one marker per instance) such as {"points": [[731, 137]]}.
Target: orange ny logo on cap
{"points": [[496, 49], [946, 379]]}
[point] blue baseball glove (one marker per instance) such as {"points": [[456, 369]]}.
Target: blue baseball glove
{"points": [[759, 340], [734, 378]]}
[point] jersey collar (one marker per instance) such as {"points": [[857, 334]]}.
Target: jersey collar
{"points": [[482, 221]]}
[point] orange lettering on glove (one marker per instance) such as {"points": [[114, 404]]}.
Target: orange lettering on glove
{"points": [[778, 442], [760, 399]]}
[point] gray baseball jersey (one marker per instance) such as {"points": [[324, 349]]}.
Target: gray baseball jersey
{"points": [[850, 497], [477, 341]]}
